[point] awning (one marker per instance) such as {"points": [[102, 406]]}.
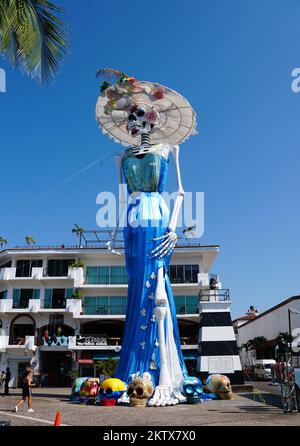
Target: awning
{"points": [[190, 355], [102, 356]]}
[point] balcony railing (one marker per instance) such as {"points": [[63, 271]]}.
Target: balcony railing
{"points": [[20, 340], [104, 309], [21, 304], [183, 279], [55, 305], [95, 309], [91, 279], [186, 309], [217, 295]]}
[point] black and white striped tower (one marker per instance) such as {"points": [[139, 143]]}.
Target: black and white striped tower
{"points": [[218, 351]]}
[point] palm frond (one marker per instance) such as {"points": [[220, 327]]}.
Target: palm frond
{"points": [[109, 72], [33, 37]]}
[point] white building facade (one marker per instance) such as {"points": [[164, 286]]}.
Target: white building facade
{"points": [[268, 324], [63, 309]]}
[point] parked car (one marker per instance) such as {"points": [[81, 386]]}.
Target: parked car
{"points": [[262, 368]]}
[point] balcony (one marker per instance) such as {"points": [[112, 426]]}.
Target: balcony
{"points": [[3, 343], [26, 343], [103, 310], [105, 280], [186, 309], [217, 295], [121, 309], [11, 274], [55, 304], [28, 306]]}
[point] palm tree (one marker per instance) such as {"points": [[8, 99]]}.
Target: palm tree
{"points": [[285, 336], [32, 37], [257, 343], [78, 231], [247, 347], [3, 241], [30, 240]]}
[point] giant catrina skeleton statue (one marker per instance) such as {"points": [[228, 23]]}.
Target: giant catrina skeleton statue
{"points": [[151, 120]]}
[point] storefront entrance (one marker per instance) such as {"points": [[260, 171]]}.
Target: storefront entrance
{"points": [[55, 367]]}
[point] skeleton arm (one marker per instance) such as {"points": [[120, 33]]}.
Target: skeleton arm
{"points": [[169, 240], [122, 205]]}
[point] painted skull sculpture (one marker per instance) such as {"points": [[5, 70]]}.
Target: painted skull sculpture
{"points": [[90, 387], [142, 119], [191, 388], [220, 386], [110, 391], [140, 390]]}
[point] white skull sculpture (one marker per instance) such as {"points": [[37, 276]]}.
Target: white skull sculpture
{"points": [[142, 119], [140, 390]]}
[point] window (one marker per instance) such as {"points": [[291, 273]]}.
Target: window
{"points": [[21, 297], [183, 273], [21, 327], [106, 275], [57, 297], [59, 268], [3, 294], [105, 304], [5, 265], [186, 304], [24, 267]]}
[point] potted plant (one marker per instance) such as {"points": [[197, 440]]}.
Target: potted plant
{"points": [[77, 264], [77, 294]]}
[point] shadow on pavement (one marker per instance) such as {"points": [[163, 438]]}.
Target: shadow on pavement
{"points": [[268, 398]]}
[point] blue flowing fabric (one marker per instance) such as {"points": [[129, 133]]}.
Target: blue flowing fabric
{"points": [[147, 218]]}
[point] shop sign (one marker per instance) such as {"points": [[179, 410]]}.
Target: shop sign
{"points": [[91, 340], [55, 341], [85, 361]]}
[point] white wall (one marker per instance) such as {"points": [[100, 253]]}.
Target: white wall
{"points": [[271, 324]]}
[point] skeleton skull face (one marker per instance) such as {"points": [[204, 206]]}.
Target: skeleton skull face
{"points": [[142, 119], [220, 385], [191, 388], [140, 391]]}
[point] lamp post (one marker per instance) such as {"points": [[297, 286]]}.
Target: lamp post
{"points": [[290, 330]]}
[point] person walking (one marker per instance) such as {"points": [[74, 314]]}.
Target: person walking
{"points": [[2, 381], [6, 381], [26, 391]]}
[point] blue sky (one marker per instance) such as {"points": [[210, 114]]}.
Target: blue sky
{"points": [[233, 61]]}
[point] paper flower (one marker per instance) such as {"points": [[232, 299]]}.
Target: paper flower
{"points": [[151, 115], [159, 93]]}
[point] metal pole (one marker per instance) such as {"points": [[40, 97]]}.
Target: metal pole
{"points": [[290, 330]]}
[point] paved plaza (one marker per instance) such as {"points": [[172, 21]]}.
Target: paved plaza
{"points": [[257, 409]]}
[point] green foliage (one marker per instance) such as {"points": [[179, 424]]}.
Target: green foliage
{"points": [[32, 37], [77, 264], [108, 367], [30, 240], [73, 374], [256, 343], [77, 294]]}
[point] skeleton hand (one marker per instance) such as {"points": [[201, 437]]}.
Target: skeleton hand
{"points": [[166, 246], [111, 245]]}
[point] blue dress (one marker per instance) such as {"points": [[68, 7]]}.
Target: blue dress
{"points": [[147, 218]]}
